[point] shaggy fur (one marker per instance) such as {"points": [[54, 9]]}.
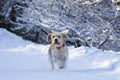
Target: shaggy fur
{"points": [[58, 52]]}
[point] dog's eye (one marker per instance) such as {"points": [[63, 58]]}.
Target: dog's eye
{"points": [[58, 36], [53, 36]]}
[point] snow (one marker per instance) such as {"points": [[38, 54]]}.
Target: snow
{"points": [[24, 60]]}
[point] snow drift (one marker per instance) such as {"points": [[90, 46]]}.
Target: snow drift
{"points": [[24, 60]]}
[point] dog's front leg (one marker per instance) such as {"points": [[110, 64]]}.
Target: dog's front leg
{"points": [[52, 63], [51, 58]]}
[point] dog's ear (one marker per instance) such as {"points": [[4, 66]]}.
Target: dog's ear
{"points": [[49, 37], [64, 35]]}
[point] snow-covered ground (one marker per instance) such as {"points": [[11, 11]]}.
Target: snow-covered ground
{"points": [[24, 60]]}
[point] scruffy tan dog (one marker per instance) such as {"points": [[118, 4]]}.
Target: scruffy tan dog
{"points": [[58, 52]]}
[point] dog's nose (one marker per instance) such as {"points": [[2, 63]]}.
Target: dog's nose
{"points": [[56, 40]]}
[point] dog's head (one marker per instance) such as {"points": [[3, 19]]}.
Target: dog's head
{"points": [[57, 38]]}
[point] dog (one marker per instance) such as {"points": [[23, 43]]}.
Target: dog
{"points": [[58, 52]]}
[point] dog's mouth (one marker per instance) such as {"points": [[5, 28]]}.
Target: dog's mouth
{"points": [[58, 45], [56, 42]]}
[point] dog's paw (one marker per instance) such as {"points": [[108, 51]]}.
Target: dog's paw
{"points": [[61, 67]]}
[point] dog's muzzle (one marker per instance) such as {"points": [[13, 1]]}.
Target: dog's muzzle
{"points": [[56, 41]]}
